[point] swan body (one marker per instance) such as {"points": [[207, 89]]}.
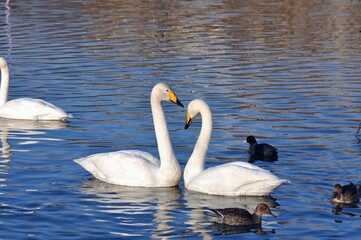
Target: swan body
{"points": [[139, 168], [230, 179], [25, 108]]}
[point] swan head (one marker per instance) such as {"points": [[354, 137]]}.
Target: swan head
{"points": [[3, 62], [193, 110], [163, 92]]}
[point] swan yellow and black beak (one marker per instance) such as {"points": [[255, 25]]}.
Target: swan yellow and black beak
{"points": [[173, 98], [189, 121]]}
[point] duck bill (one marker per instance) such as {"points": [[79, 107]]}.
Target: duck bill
{"points": [[334, 195], [358, 130], [270, 213], [189, 121], [173, 98]]}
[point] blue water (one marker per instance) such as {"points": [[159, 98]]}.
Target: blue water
{"points": [[287, 72]]}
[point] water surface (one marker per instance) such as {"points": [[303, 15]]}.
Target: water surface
{"points": [[287, 72]]}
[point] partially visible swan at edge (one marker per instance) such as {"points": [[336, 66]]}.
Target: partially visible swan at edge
{"points": [[25, 108], [138, 168], [229, 179]]}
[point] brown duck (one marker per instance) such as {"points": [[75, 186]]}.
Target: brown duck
{"points": [[238, 216], [349, 193]]}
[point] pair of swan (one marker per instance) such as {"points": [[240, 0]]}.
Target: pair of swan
{"points": [[25, 108], [138, 168]]}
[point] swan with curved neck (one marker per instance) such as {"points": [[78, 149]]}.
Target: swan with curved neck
{"points": [[229, 179], [25, 108], [138, 168]]}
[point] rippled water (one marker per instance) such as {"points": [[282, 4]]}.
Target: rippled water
{"points": [[287, 72]]}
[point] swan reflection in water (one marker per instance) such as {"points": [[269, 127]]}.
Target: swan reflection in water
{"points": [[199, 203], [131, 204], [24, 132]]}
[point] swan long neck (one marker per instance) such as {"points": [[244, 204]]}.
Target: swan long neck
{"points": [[4, 88], [195, 164], [168, 160]]}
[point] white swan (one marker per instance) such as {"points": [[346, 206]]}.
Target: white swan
{"points": [[25, 108], [138, 168], [230, 179]]}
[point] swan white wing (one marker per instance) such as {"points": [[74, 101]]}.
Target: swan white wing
{"points": [[32, 109], [142, 155], [131, 167], [235, 179]]}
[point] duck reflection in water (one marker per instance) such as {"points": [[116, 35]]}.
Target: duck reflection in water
{"points": [[338, 209], [229, 229]]}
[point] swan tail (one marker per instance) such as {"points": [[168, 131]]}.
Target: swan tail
{"points": [[78, 160], [284, 181], [90, 167]]}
